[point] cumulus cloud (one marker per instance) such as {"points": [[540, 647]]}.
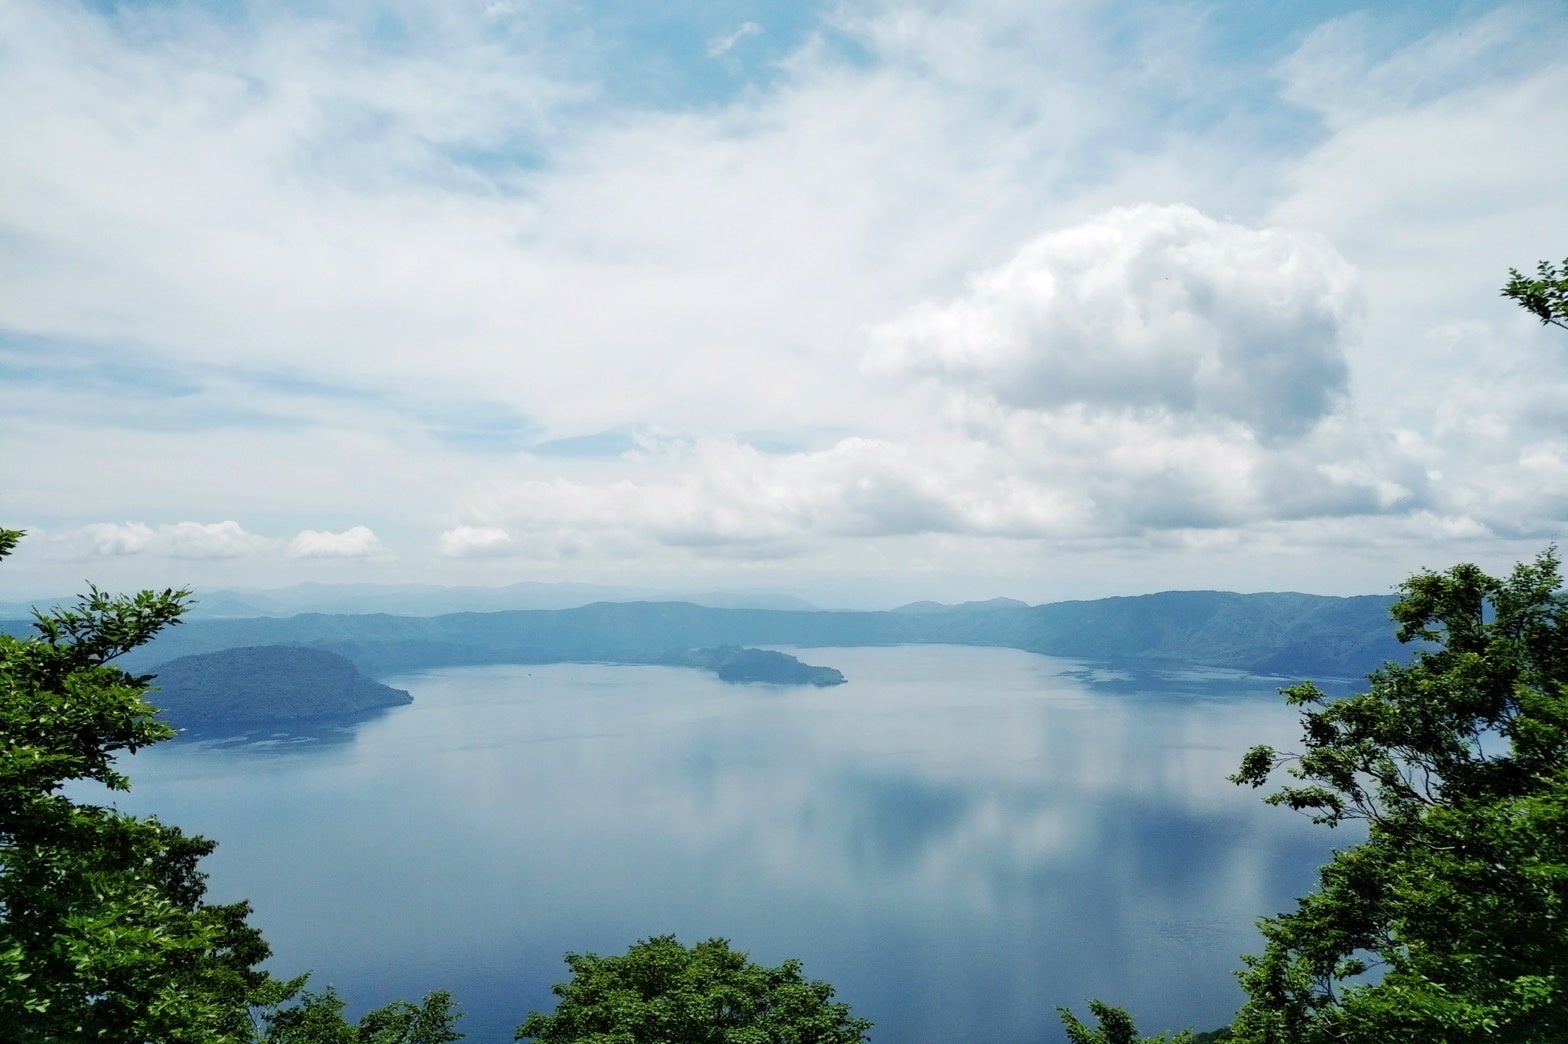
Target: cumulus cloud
{"points": [[358, 542], [178, 540], [128, 538], [474, 542], [1154, 308]]}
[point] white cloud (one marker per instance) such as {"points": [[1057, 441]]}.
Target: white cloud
{"points": [[1063, 476], [1147, 308], [721, 45], [109, 538], [179, 540], [311, 245], [1433, 178], [1359, 67], [213, 540], [474, 542], [358, 542]]}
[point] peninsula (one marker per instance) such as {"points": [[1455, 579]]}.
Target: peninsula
{"points": [[265, 685]]}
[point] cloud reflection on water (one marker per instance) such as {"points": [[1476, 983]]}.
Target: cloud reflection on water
{"points": [[958, 840]]}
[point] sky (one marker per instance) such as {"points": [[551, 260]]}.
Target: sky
{"points": [[862, 302]]}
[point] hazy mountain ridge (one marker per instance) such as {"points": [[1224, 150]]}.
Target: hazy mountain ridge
{"points": [[433, 600], [1279, 633]]}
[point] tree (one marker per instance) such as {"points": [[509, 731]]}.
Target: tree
{"points": [[1115, 1026], [1449, 922], [104, 930], [660, 991], [317, 1018], [1545, 296], [105, 933], [428, 1022]]}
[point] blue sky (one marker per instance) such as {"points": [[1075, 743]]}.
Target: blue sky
{"points": [[864, 302]]}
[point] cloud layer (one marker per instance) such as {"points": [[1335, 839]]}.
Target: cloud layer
{"points": [[997, 298]]}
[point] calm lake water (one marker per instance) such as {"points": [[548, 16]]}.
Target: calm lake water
{"points": [[959, 840]]}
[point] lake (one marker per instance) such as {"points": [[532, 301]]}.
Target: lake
{"points": [[959, 839]]}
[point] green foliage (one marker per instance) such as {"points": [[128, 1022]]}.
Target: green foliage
{"points": [[104, 930], [1450, 921], [317, 1018], [1545, 296], [428, 1022], [660, 991], [104, 933], [1115, 1026]]}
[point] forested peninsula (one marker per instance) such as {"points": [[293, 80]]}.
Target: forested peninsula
{"points": [[270, 684], [284, 685]]}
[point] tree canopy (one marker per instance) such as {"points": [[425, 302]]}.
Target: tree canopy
{"points": [[660, 992], [1449, 922], [1545, 296], [1112, 1026], [317, 1018], [105, 931]]}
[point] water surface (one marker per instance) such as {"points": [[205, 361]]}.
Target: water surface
{"points": [[959, 839]]}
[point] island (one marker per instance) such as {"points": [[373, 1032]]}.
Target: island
{"points": [[732, 663], [265, 685]]}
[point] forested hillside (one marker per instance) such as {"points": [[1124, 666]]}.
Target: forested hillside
{"points": [[1288, 634], [265, 684]]}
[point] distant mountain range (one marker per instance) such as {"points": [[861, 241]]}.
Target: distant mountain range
{"points": [[433, 600], [314, 665], [1275, 634]]}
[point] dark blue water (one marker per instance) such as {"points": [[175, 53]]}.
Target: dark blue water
{"points": [[959, 840]]}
